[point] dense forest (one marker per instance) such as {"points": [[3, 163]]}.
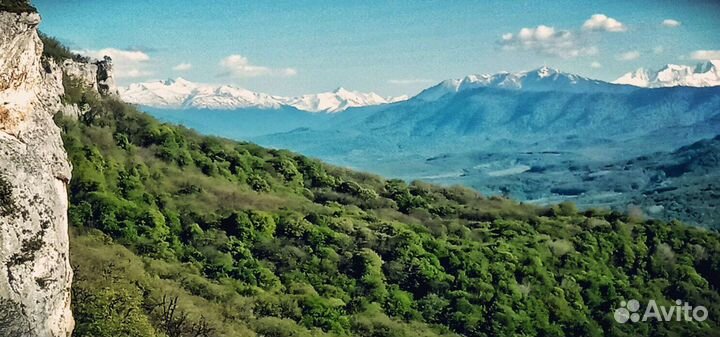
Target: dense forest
{"points": [[178, 234]]}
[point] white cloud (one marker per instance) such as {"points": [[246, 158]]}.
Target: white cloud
{"points": [[629, 56], [671, 23], [547, 40], [126, 63], [132, 73], [118, 55], [604, 23], [239, 66], [595, 65], [658, 50], [704, 55], [182, 67], [410, 81]]}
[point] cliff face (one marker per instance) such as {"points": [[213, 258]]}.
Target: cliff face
{"points": [[96, 74], [35, 273]]}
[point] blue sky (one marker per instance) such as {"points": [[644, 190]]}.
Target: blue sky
{"points": [[390, 47]]}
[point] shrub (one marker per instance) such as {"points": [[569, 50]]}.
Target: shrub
{"points": [[16, 6], [52, 48]]}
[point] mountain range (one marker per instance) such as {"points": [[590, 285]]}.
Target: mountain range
{"points": [[706, 74], [541, 79], [179, 93], [517, 134], [183, 94]]}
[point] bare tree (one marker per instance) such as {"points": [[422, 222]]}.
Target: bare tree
{"points": [[201, 328], [175, 323]]}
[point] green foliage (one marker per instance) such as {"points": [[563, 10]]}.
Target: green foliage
{"points": [[52, 48], [16, 6], [251, 240]]}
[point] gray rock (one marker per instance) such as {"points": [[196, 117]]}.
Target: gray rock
{"points": [[95, 74], [35, 273]]}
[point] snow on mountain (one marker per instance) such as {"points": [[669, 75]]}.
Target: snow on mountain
{"points": [[337, 100], [541, 79], [706, 74], [181, 93]]}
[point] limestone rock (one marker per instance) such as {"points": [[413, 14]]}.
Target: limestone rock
{"points": [[35, 273], [95, 74]]}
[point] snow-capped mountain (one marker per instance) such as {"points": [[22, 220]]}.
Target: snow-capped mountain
{"points": [[337, 100], [181, 93], [541, 79], [706, 74]]}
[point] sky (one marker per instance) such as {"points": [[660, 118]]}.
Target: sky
{"points": [[390, 47]]}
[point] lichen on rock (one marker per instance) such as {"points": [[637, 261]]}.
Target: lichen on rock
{"points": [[34, 171]]}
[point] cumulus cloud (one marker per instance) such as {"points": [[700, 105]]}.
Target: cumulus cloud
{"points": [[602, 22], [629, 56], [671, 23], [239, 66], [410, 81], [126, 63], [119, 54], [547, 40], [182, 67], [132, 73], [595, 65], [704, 55]]}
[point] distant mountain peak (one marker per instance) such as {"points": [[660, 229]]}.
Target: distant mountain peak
{"points": [[704, 74], [541, 79], [546, 71], [180, 93]]}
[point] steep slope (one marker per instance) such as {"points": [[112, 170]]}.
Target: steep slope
{"points": [[183, 94], [35, 275], [706, 74], [238, 240]]}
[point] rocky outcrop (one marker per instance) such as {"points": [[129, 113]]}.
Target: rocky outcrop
{"points": [[35, 273], [104, 77], [95, 74]]}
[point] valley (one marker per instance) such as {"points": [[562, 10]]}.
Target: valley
{"points": [[541, 136], [530, 203]]}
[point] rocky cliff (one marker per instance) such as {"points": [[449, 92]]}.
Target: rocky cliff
{"points": [[96, 74], [35, 273]]}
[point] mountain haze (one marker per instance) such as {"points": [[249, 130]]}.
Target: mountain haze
{"points": [[183, 94], [115, 221], [188, 235]]}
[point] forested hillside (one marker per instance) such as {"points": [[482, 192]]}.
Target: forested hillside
{"points": [[178, 234]]}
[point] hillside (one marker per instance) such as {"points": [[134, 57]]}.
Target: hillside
{"points": [[678, 184], [179, 234], [490, 139]]}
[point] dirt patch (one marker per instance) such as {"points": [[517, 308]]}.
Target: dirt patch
{"points": [[8, 121]]}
